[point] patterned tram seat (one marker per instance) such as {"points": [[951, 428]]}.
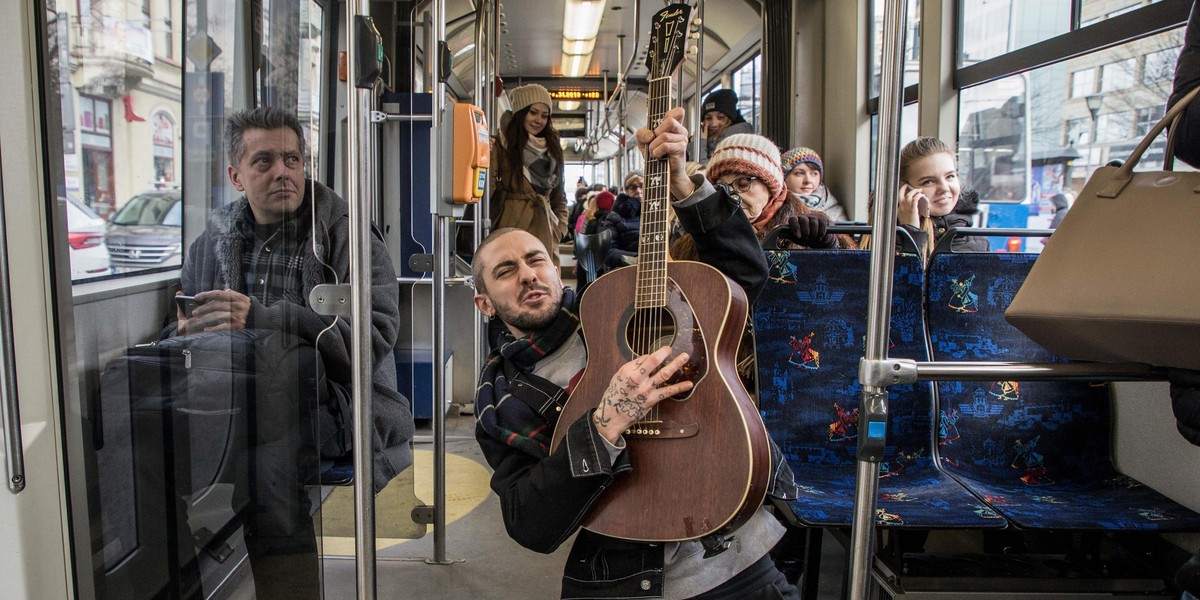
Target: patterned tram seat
{"points": [[1039, 453], [810, 328]]}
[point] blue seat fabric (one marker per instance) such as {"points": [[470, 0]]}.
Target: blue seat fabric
{"points": [[1039, 453], [810, 329]]}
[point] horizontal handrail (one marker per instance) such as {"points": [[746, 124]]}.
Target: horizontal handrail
{"points": [[1079, 371], [771, 242]]}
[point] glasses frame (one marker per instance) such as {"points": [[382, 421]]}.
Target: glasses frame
{"points": [[740, 187]]}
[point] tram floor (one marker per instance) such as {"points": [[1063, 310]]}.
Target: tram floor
{"points": [[483, 562]]}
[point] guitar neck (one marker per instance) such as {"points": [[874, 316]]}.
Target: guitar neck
{"points": [[655, 228]]}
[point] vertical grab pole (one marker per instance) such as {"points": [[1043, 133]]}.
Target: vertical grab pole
{"points": [[873, 437], [622, 89], [696, 114], [441, 266], [10, 407], [360, 319], [482, 77]]}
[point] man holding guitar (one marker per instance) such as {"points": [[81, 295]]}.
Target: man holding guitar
{"points": [[540, 357]]}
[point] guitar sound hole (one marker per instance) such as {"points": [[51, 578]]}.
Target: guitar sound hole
{"points": [[650, 329]]}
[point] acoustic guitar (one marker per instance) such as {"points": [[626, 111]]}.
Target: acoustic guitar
{"points": [[701, 460]]}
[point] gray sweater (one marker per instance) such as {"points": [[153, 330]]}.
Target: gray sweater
{"points": [[214, 262]]}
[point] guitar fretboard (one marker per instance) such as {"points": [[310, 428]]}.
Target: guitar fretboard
{"points": [[651, 290]]}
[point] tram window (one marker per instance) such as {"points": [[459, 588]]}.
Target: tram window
{"points": [[991, 28], [1011, 154], [912, 48], [908, 132], [747, 82], [119, 141]]}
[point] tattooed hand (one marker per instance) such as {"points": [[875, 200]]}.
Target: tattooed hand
{"points": [[637, 386]]}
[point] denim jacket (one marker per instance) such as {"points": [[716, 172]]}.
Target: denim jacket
{"points": [[544, 499]]}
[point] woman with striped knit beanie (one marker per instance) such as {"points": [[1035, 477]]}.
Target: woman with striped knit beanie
{"points": [[749, 165], [804, 175]]}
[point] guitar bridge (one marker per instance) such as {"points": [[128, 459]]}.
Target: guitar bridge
{"points": [[662, 430]]}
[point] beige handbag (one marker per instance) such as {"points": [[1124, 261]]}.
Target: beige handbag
{"points": [[1119, 281]]}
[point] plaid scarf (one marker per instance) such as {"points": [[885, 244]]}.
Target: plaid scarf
{"points": [[510, 420]]}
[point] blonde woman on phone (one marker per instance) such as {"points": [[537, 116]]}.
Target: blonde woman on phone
{"points": [[931, 200]]}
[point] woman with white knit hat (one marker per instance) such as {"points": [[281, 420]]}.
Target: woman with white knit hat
{"points": [[748, 165], [529, 170]]}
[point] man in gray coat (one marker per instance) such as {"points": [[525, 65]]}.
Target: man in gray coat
{"points": [[253, 268]]}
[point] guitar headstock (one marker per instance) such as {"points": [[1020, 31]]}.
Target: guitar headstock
{"points": [[668, 34]]}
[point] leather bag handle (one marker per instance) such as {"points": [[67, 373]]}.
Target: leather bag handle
{"points": [[1124, 175]]}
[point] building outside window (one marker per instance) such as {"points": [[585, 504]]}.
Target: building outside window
{"points": [[164, 147], [1119, 75], [1147, 117], [1077, 132], [1159, 66], [1083, 83], [1114, 127]]}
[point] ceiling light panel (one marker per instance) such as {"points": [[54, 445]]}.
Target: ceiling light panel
{"points": [[582, 19]]}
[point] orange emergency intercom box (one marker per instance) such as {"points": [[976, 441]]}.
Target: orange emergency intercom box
{"points": [[470, 155]]}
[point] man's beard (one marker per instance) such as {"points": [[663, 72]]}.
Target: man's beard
{"points": [[530, 321]]}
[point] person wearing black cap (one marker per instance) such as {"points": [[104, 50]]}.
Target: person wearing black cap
{"points": [[720, 119]]}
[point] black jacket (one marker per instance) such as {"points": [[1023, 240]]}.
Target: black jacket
{"points": [[1187, 77], [1185, 401], [544, 499], [625, 219]]}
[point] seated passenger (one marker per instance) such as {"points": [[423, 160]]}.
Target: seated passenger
{"points": [[1187, 78], [253, 268], [931, 200], [747, 165], [544, 496], [721, 118], [599, 205], [1185, 385], [625, 221], [576, 209], [805, 177]]}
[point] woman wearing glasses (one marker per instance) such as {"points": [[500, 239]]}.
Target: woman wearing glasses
{"points": [[748, 166]]}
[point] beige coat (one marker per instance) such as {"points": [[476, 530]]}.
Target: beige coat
{"points": [[515, 204]]}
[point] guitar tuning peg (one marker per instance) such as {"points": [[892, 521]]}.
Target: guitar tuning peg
{"points": [[693, 51], [695, 35]]}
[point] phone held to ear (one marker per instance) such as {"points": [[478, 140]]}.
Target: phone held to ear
{"points": [[186, 305]]}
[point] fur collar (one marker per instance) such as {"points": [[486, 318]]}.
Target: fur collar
{"points": [[224, 226]]}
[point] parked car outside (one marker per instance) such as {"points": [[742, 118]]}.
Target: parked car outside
{"points": [[85, 235], [147, 231]]}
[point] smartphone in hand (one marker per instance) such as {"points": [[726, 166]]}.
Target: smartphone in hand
{"points": [[186, 305]]}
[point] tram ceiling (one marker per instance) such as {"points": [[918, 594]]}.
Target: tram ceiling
{"points": [[531, 40], [531, 50]]}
